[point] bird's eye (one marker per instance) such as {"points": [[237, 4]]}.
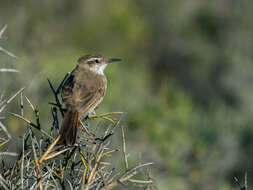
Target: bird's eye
{"points": [[97, 61]]}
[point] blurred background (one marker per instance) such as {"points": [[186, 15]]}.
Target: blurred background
{"points": [[185, 82]]}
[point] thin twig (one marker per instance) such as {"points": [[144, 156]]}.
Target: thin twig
{"points": [[125, 177], [3, 143], [56, 154], [31, 124], [140, 181], [5, 130], [36, 112], [4, 183], [22, 163], [2, 31], [8, 69], [8, 101], [37, 164], [21, 104], [8, 153], [91, 175], [49, 149], [242, 187], [124, 147], [30, 104]]}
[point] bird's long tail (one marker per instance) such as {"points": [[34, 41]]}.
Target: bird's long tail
{"points": [[69, 127]]}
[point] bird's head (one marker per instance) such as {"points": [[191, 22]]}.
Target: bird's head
{"points": [[96, 63]]}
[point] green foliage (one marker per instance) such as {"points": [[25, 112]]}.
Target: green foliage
{"points": [[185, 82]]}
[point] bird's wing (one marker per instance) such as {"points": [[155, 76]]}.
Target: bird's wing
{"points": [[67, 90], [81, 92], [86, 98]]}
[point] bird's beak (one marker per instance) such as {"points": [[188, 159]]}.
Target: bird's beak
{"points": [[113, 60]]}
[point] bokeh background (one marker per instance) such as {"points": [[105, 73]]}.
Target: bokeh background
{"points": [[186, 82]]}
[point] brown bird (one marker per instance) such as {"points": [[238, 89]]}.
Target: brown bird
{"points": [[83, 90]]}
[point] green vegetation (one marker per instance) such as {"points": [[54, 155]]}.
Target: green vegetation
{"points": [[185, 82]]}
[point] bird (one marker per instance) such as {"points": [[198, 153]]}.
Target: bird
{"points": [[83, 90]]}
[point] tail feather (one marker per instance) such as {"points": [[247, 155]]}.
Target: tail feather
{"points": [[68, 129]]}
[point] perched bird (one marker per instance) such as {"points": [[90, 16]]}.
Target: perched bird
{"points": [[82, 92]]}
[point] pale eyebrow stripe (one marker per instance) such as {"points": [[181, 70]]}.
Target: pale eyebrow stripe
{"points": [[93, 59]]}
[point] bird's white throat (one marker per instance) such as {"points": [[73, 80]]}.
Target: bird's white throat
{"points": [[99, 69]]}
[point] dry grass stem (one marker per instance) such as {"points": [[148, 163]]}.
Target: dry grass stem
{"points": [[124, 147], [49, 149], [56, 154], [44, 164], [21, 105]]}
